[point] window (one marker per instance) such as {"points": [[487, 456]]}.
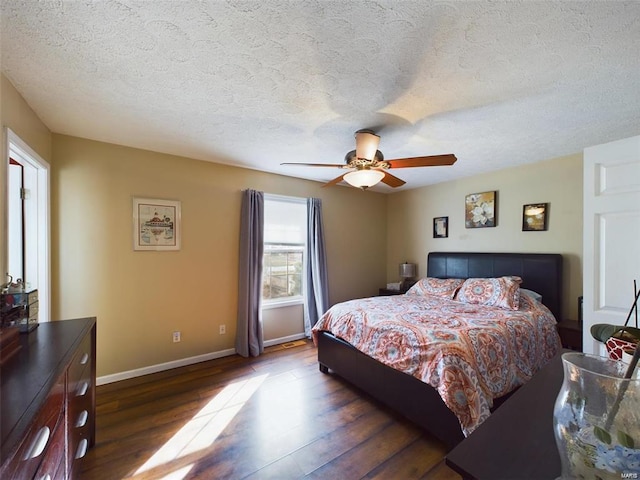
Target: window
{"points": [[285, 226]]}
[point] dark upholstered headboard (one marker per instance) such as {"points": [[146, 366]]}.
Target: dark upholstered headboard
{"points": [[540, 272]]}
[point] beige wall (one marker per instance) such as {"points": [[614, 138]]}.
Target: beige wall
{"points": [[19, 117], [140, 298], [557, 182], [283, 322]]}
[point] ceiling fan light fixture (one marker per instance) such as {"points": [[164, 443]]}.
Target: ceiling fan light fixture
{"points": [[364, 178], [366, 144]]}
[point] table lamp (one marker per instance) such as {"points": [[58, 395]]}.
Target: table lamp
{"points": [[407, 273]]}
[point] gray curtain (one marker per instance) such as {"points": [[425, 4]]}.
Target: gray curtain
{"points": [[249, 329], [316, 298]]}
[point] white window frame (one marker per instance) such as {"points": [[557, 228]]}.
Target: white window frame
{"points": [[288, 301]]}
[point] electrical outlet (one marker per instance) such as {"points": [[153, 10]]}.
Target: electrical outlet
{"points": [[176, 337], [223, 329]]}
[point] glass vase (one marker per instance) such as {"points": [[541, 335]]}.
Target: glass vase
{"points": [[596, 419]]}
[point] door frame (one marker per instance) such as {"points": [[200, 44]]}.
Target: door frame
{"points": [[18, 149]]}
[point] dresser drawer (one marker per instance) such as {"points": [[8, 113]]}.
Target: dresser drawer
{"points": [[80, 428], [80, 410], [38, 442], [53, 465], [80, 366], [81, 419]]}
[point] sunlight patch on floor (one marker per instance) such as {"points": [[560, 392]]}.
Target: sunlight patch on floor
{"points": [[202, 430]]}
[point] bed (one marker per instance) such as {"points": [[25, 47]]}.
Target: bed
{"points": [[405, 392]]}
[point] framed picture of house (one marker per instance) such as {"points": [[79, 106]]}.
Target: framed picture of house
{"points": [[534, 217], [480, 210], [156, 224], [441, 227]]}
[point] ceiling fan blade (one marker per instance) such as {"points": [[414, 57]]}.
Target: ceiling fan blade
{"points": [[334, 165], [392, 180], [334, 181], [428, 161]]}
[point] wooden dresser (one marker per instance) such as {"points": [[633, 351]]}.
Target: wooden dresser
{"points": [[47, 407]]}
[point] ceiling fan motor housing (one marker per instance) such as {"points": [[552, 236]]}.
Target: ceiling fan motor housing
{"points": [[351, 160]]}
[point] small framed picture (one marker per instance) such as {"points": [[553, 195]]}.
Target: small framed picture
{"points": [[534, 217], [480, 210], [441, 227], [156, 224]]}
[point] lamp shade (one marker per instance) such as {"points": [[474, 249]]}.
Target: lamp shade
{"points": [[364, 178], [407, 270], [366, 144]]}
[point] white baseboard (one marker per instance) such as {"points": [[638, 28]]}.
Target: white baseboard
{"points": [[183, 362], [278, 341]]}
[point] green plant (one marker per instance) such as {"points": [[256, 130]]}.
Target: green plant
{"points": [[603, 331]]}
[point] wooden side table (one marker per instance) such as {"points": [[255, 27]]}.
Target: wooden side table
{"points": [[570, 334], [383, 292]]}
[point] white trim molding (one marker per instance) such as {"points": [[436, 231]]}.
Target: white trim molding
{"points": [[161, 367]]}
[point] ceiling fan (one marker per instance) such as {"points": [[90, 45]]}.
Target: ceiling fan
{"points": [[368, 166]]}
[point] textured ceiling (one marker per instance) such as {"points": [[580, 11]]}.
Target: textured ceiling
{"points": [[257, 83]]}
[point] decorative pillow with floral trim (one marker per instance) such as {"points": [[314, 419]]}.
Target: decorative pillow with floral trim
{"points": [[440, 287], [503, 292]]}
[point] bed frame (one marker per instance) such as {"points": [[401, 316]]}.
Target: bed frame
{"points": [[407, 395]]}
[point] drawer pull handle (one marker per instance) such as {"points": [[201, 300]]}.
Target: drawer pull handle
{"points": [[84, 359], [82, 390], [82, 448], [82, 419], [39, 444]]}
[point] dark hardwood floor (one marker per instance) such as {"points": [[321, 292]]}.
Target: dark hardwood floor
{"points": [[271, 417]]}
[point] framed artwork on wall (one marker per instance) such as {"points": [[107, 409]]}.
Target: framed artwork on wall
{"points": [[534, 217], [480, 210], [441, 227], [156, 224]]}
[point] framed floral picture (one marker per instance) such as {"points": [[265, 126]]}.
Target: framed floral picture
{"points": [[534, 217], [156, 224], [480, 210], [441, 227]]}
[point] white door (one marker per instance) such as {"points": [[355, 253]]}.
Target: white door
{"points": [[611, 238]]}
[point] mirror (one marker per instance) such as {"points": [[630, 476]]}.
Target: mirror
{"points": [[15, 220]]}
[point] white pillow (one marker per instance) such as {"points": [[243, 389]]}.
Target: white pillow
{"points": [[535, 295]]}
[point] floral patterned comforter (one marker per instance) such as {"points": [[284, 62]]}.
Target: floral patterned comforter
{"points": [[471, 354]]}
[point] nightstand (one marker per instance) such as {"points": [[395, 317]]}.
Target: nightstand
{"points": [[570, 334], [385, 292]]}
